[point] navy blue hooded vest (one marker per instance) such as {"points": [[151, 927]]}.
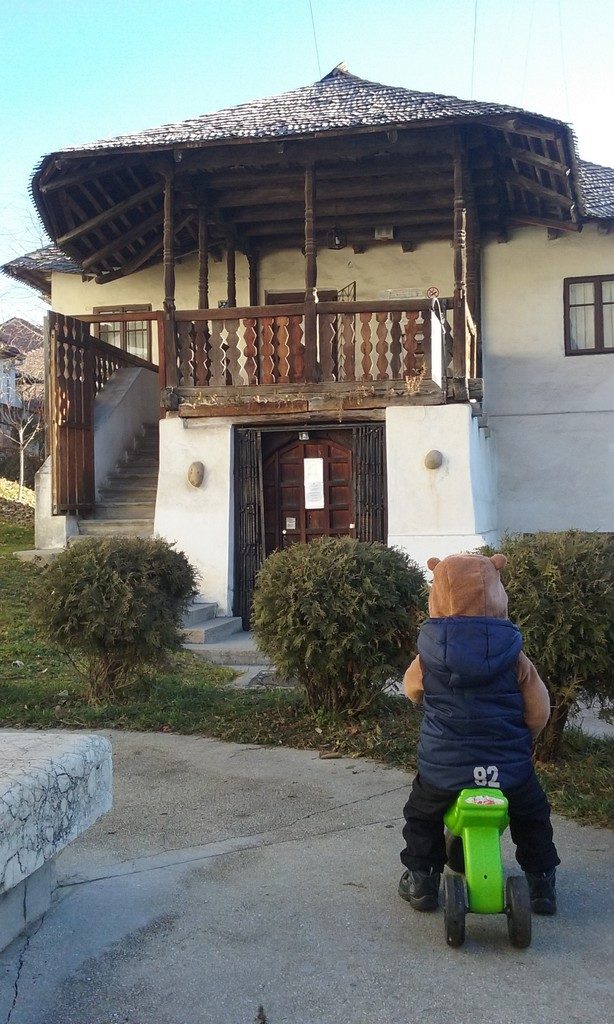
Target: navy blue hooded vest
{"points": [[473, 731]]}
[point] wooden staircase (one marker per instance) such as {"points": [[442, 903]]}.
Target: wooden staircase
{"points": [[127, 502]]}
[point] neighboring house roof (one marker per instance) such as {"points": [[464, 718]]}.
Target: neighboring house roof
{"points": [[598, 189], [35, 268], [22, 334], [339, 101]]}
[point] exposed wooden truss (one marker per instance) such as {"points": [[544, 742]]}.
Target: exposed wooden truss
{"points": [[106, 209]]}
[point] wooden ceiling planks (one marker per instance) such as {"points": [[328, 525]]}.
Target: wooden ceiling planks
{"points": [[108, 212]]}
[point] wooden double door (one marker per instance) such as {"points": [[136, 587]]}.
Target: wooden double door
{"points": [[307, 493], [291, 489]]}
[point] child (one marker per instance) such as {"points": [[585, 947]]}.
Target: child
{"points": [[484, 704]]}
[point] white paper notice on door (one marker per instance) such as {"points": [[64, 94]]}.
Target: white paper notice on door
{"points": [[314, 483]]}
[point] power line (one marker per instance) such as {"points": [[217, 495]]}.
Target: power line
{"points": [[563, 68], [475, 29], [315, 39], [526, 56]]}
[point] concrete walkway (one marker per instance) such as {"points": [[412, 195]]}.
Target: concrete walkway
{"points": [[230, 877]]}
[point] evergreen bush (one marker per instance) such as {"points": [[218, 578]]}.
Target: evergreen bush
{"points": [[339, 616], [115, 606], [561, 595]]}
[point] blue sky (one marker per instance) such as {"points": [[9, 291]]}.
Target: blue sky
{"points": [[77, 70]]}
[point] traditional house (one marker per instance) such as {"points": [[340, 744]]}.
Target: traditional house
{"points": [[355, 308]]}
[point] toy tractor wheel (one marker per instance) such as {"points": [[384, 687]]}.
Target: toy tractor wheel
{"points": [[455, 853], [518, 910], [455, 908]]}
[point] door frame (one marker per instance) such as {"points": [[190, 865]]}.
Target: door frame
{"points": [[369, 489]]}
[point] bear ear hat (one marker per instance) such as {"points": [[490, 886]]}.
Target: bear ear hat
{"points": [[498, 561], [432, 562]]}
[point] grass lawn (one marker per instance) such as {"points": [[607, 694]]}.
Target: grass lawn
{"points": [[40, 688]]}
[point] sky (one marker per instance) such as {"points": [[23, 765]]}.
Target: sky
{"points": [[74, 71]]}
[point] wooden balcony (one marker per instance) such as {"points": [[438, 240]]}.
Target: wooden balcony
{"points": [[259, 359]]}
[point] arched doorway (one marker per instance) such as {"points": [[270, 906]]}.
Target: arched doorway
{"points": [[308, 492]]}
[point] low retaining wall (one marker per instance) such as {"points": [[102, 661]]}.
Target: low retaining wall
{"points": [[53, 786]]}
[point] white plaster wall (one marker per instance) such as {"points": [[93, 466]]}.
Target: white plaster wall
{"points": [[199, 520], [446, 510], [552, 415], [49, 531], [374, 271], [130, 399]]}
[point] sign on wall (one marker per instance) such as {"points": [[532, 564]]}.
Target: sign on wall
{"points": [[313, 470]]}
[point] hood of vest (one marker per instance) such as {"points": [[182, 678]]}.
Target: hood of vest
{"points": [[469, 650]]}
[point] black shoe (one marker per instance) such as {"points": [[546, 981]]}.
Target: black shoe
{"points": [[420, 889], [543, 892]]}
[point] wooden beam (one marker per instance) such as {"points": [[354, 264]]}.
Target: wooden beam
{"points": [[459, 367], [254, 287], [203, 259], [520, 181], [231, 273], [535, 160], [546, 222], [122, 240], [170, 356], [115, 211], [89, 173], [311, 278], [140, 259]]}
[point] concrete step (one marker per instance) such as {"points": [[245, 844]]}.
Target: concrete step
{"points": [[139, 462], [238, 649], [134, 474], [116, 527], [125, 509], [128, 492], [196, 613], [215, 629]]}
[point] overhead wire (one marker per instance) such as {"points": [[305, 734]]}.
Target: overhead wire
{"points": [[526, 56], [315, 38], [563, 67], [475, 30]]}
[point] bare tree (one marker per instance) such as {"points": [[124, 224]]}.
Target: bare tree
{"points": [[21, 417]]}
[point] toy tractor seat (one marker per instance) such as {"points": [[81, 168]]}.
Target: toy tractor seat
{"points": [[477, 819]]}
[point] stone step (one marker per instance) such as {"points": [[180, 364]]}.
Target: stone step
{"points": [[215, 629], [139, 462], [125, 509], [196, 613], [136, 474], [238, 649], [116, 527], [128, 492]]}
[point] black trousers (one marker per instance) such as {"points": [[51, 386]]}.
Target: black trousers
{"points": [[530, 826]]}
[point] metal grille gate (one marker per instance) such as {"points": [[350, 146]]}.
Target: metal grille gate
{"points": [[370, 482], [249, 520]]}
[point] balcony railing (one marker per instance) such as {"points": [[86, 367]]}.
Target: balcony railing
{"points": [[79, 367], [357, 342]]}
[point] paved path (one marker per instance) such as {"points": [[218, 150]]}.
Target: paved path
{"points": [[231, 876]]}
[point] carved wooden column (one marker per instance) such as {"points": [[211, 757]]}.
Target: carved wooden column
{"points": [[231, 272], [459, 324], [170, 337], [254, 287], [203, 259], [312, 355]]}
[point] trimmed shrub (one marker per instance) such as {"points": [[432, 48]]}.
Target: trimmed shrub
{"points": [[561, 595], [339, 616], [115, 606]]}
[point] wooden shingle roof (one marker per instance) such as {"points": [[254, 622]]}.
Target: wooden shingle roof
{"points": [[339, 101]]}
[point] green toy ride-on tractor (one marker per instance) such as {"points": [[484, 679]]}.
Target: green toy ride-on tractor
{"points": [[475, 822]]}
